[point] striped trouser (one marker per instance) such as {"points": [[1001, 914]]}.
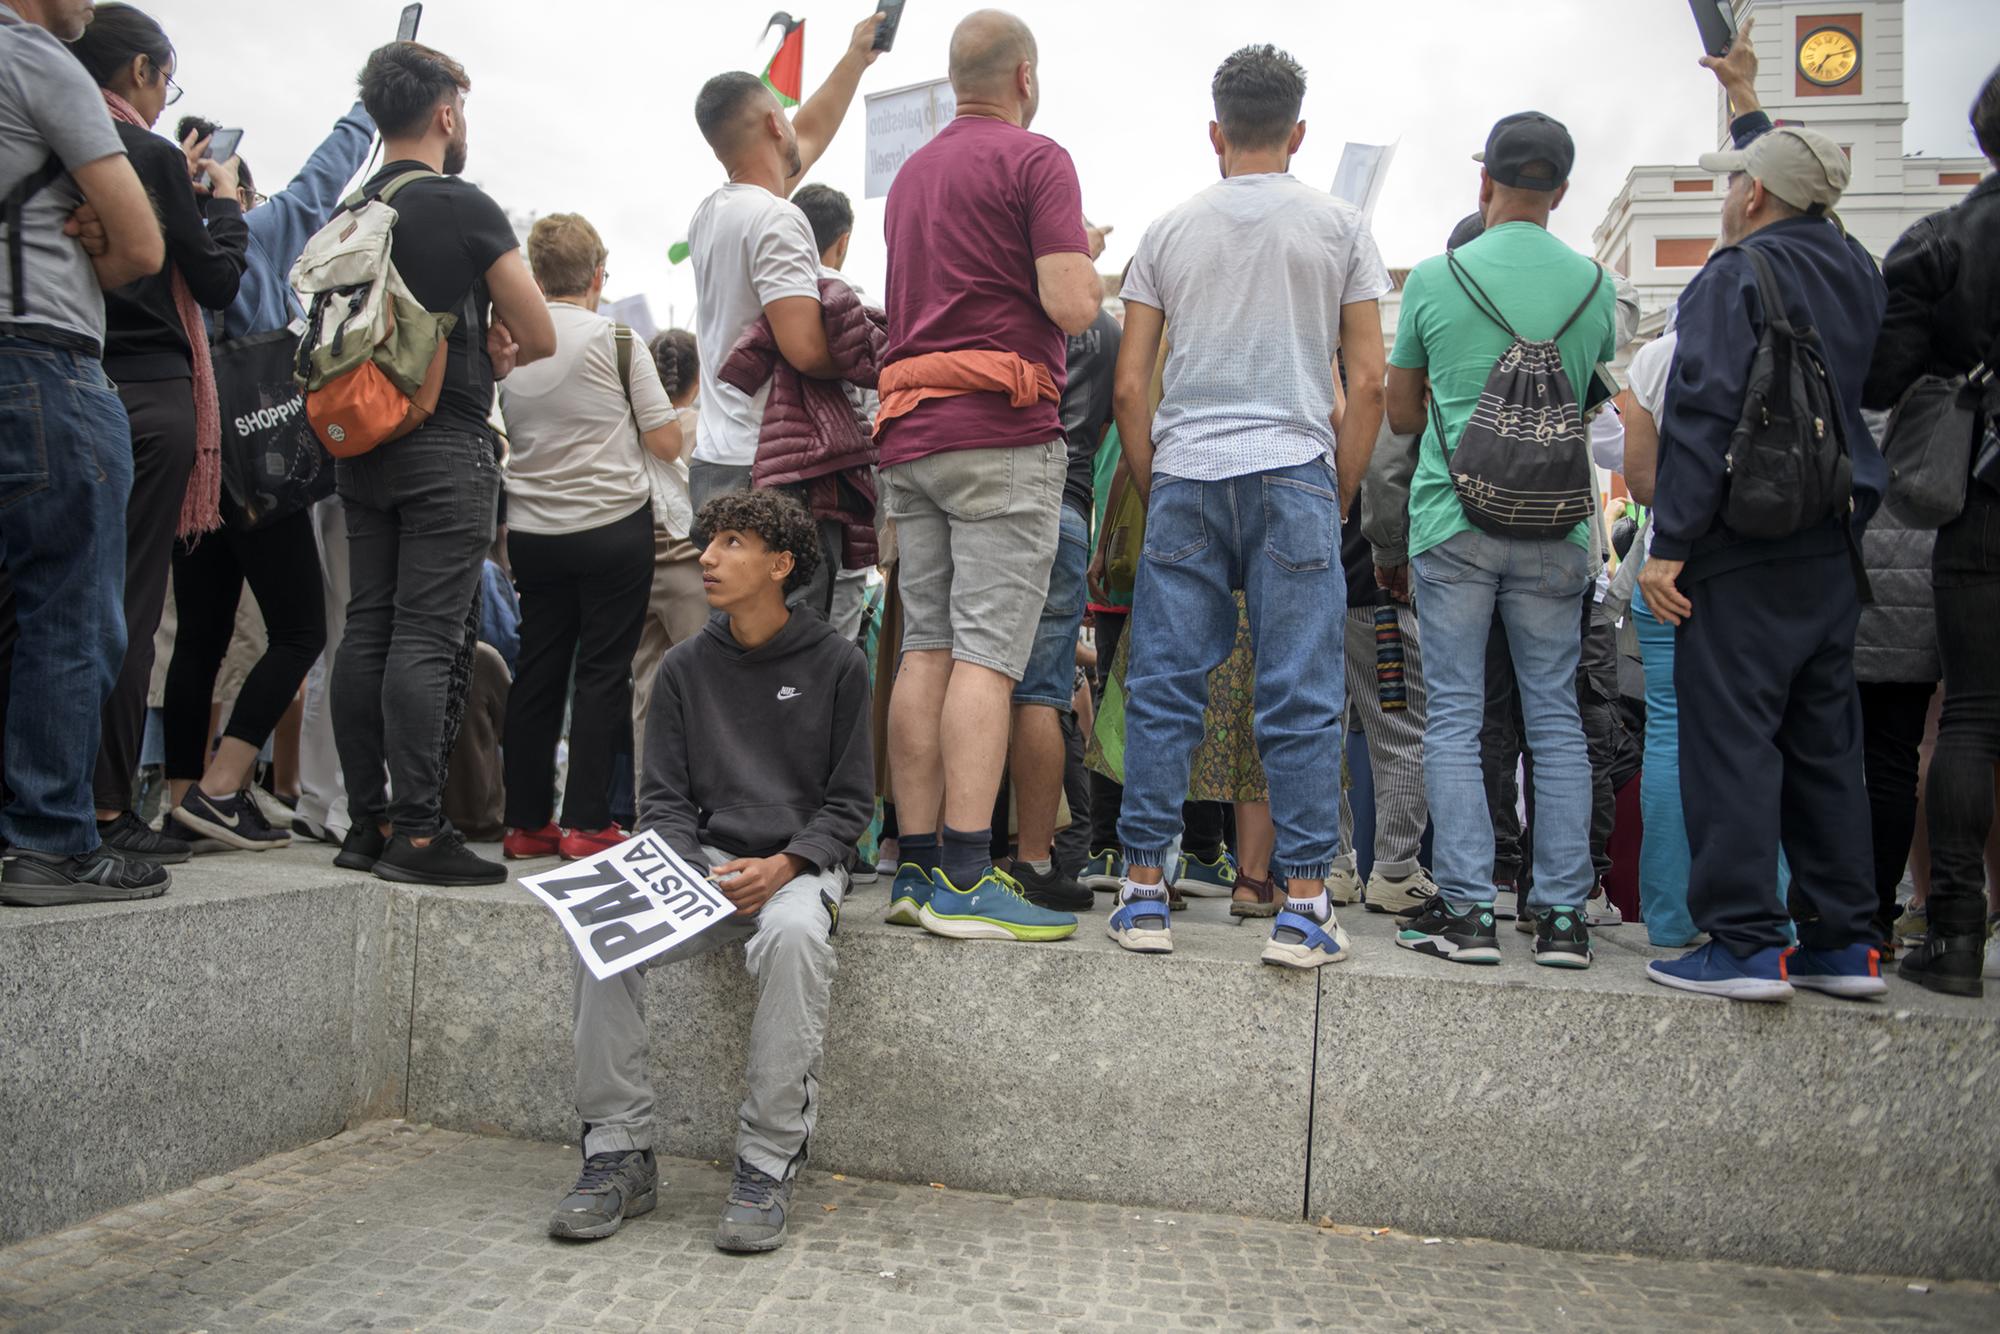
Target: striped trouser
{"points": [[1395, 746]]}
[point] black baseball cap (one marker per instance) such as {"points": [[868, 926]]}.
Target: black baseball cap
{"points": [[1524, 138]]}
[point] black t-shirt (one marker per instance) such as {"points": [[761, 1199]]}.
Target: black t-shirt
{"points": [[1086, 405], [448, 234]]}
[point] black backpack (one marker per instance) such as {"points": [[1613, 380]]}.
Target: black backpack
{"points": [[1522, 465], [1789, 467]]}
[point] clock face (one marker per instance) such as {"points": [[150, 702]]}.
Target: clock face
{"points": [[1829, 56]]}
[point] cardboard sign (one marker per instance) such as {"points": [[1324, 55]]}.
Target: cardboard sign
{"points": [[900, 121], [627, 905]]}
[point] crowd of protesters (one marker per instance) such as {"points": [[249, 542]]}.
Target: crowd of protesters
{"points": [[805, 590]]}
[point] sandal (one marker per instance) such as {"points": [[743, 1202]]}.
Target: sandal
{"points": [[1264, 905]]}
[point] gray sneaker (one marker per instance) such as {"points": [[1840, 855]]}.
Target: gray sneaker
{"points": [[753, 1217], [612, 1188]]}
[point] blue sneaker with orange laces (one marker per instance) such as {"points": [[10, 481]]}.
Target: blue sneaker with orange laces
{"points": [[1713, 971], [1854, 972]]}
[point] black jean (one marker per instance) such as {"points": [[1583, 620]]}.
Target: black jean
{"points": [[163, 446], [1770, 741], [1959, 805], [583, 602], [1893, 714], [1503, 748], [1203, 830], [420, 518], [281, 563]]}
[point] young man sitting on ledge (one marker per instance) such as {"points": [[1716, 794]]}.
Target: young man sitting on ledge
{"points": [[756, 763]]}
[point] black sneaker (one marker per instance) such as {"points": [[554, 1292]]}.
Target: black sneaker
{"points": [[131, 838], [445, 860], [753, 1217], [42, 880], [312, 830], [362, 847], [1562, 940], [1463, 935], [236, 821], [1054, 891], [613, 1188]]}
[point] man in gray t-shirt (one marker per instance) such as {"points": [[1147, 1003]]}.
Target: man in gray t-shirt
{"points": [[76, 221], [1254, 284]]}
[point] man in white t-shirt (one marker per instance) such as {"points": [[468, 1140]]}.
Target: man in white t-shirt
{"points": [[753, 255], [1261, 279]]}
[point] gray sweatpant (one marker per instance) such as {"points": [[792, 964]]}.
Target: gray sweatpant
{"points": [[1395, 746], [790, 954]]}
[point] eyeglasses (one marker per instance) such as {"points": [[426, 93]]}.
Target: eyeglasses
{"points": [[173, 89], [256, 198]]}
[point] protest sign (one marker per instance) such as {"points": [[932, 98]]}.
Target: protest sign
{"points": [[1363, 170], [900, 122], [624, 906]]}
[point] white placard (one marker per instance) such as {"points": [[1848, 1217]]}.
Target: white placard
{"points": [[1363, 170], [635, 313], [900, 122], [626, 905]]}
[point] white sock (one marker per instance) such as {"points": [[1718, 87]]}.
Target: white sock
{"points": [[1134, 890], [1318, 907], [1042, 867]]}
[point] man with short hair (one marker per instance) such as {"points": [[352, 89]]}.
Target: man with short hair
{"points": [[421, 510], [1461, 314], [1770, 718], [757, 763], [65, 443], [1258, 282], [754, 255], [991, 265]]}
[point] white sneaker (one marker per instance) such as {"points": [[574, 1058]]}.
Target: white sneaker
{"points": [[1343, 883], [1991, 969], [1390, 895], [1599, 910]]}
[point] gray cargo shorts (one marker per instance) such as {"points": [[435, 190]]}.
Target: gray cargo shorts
{"points": [[976, 535]]}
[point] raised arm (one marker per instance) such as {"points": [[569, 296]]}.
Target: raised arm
{"points": [[818, 118]]}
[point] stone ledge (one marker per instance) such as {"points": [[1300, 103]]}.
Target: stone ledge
{"points": [[268, 1001]]}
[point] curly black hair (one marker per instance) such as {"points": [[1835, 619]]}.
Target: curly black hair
{"points": [[781, 521]]}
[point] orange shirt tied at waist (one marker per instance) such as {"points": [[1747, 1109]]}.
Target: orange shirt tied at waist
{"points": [[908, 382]]}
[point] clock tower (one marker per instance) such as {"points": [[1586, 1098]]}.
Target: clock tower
{"points": [[1835, 65]]}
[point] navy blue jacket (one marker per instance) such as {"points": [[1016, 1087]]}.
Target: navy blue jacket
{"points": [[1831, 284]]}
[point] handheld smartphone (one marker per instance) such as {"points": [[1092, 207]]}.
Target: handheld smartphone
{"points": [[892, 12], [222, 145], [1717, 21], [406, 30]]}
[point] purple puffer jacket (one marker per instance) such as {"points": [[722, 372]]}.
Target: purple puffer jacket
{"points": [[810, 429]]}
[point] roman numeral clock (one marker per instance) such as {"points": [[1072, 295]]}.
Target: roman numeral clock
{"points": [[1829, 56]]}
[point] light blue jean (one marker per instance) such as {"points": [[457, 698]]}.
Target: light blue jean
{"points": [[1536, 585], [1664, 859], [1276, 536]]}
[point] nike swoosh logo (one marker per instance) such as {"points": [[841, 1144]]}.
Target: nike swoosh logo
{"points": [[230, 820]]}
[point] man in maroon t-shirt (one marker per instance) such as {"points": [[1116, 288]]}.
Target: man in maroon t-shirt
{"points": [[990, 268]]}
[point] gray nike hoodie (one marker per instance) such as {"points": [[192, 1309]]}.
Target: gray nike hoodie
{"points": [[761, 751]]}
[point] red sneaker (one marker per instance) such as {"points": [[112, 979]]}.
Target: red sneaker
{"points": [[580, 843], [523, 844]]}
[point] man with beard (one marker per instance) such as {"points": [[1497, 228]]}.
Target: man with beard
{"points": [[421, 512], [754, 255]]}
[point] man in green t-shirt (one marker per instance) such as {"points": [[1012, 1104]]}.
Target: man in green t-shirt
{"points": [[1446, 344]]}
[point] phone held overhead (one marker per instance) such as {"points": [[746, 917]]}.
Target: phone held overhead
{"points": [[1717, 21], [406, 30], [892, 18]]}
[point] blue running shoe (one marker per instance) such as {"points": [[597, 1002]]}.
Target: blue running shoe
{"points": [[1713, 971], [1297, 941], [1207, 880], [1854, 972], [908, 895], [993, 909], [1140, 924], [1103, 870]]}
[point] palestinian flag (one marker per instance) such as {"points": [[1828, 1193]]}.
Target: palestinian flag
{"points": [[785, 75]]}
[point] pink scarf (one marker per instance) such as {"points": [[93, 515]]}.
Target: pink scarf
{"points": [[201, 509]]}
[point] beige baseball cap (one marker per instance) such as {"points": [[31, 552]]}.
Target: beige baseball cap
{"points": [[1800, 166]]}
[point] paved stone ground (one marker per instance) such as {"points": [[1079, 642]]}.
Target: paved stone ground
{"points": [[394, 1226]]}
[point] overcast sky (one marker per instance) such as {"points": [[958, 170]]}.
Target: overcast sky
{"points": [[587, 106]]}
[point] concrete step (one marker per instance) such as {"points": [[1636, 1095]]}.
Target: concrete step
{"points": [[269, 999]]}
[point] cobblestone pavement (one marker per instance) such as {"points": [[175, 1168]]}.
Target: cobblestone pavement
{"points": [[393, 1226]]}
